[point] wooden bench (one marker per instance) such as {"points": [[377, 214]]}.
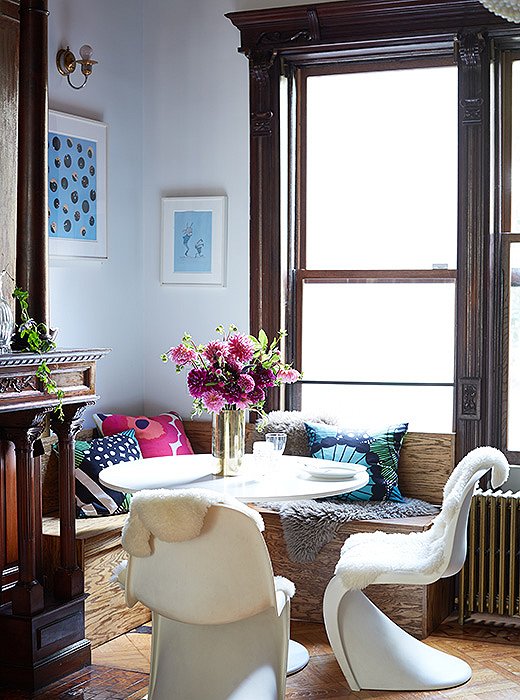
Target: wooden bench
{"points": [[425, 463]]}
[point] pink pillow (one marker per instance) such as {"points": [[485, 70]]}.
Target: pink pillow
{"points": [[158, 436]]}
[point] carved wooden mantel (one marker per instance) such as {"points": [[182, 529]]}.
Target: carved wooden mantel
{"points": [[42, 632]]}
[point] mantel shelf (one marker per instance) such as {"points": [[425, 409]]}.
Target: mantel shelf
{"points": [[60, 355]]}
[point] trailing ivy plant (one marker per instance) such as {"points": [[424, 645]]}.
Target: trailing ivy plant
{"points": [[34, 337]]}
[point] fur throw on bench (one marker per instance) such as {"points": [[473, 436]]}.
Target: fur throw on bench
{"points": [[366, 556], [172, 516], [311, 524]]}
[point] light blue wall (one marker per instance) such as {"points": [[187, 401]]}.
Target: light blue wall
{"points": [[94, 303]]}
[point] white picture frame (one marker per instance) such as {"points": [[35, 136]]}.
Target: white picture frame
{"points": [[77, 186], [193, 241]]}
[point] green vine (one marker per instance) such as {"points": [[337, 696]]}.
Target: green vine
{"points": [[35, 337]]}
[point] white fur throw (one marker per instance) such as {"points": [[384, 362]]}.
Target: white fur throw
{"points": [[283, 584], [172, 516], [366, 556]]}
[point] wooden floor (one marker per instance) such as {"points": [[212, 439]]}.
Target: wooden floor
{"points": [[119, 669]]}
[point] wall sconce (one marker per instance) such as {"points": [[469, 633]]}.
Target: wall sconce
{"points": [[66, 63]]}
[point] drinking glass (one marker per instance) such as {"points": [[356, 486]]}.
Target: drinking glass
{"points": [[277, 440]]}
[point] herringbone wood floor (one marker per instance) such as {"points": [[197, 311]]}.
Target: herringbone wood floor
{"points": [[492, 649]]}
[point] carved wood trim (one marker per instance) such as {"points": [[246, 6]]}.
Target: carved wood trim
{"points": [[332, 25], [475, 256], [17, 384], [469, 393]]}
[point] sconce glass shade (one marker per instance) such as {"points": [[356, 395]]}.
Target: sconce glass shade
{"points": [[86, 52], [508, 9]]}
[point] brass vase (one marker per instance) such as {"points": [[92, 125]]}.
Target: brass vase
{"points": [[228, 441]]}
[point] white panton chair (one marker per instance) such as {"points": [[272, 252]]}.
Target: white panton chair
{"points": [[220, 627], [373, 652]]}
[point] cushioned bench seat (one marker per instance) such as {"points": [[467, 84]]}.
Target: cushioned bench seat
{"points": [[425, 464]]}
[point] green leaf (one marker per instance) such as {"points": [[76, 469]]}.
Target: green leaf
{"points": [[263, 339]]}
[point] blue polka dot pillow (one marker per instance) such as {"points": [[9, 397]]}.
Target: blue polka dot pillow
{"points": [[378, 451], [90, 458]]}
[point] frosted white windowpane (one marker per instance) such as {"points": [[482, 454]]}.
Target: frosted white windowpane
{"points": [[426, 409], [382, 169], [513, 404], [378, 332], [515, 162]]}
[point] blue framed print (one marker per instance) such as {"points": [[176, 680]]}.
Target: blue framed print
{"points": [[76, 186], [193, 240]]}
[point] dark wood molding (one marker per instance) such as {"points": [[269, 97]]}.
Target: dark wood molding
{"points": [[10, 9], [265, 256], [474, 247], [332, 25], [32, 218]]}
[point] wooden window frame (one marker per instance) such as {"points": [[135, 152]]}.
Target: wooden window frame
{"points": [[276, 39]]}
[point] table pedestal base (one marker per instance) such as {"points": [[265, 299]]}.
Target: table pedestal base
{"points": [[298, 657]]}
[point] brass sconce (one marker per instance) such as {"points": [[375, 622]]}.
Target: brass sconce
{"points": [[66, 63]]}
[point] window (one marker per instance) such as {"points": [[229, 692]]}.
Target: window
{"points": [[509, 226], [375, 283], [306, 273]]}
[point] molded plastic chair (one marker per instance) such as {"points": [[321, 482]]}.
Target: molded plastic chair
{"points": [[372, 651], [220, 630]]}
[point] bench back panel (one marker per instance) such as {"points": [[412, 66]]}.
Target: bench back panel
{"points": [[425, 463]]}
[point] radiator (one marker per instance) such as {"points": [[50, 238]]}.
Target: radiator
{"points": [[489, 581]]}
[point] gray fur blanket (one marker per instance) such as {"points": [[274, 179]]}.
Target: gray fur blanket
{"points": [[309, 525]]}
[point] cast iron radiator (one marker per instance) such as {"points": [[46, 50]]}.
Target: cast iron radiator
{"points": [[489, 581]]}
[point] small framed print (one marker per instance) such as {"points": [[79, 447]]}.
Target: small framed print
{"points": [[193, 249], [77, 186]]}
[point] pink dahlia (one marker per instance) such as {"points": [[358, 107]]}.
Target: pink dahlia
{"points": [[213, 401], [197, 380], [263, 377], [233, 394], [287, 375], [256, 396], [246, 383], [215, 351], [241, 348], [182, 355]]}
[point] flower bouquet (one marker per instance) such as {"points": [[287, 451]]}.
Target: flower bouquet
{"points": [[228, 376]]}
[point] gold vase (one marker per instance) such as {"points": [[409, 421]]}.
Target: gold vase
{"points": [[228, 441]]}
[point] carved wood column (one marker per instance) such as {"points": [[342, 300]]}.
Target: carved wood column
{"points": [[23, 428], [473, 280], [264, 86], [68, 578]]}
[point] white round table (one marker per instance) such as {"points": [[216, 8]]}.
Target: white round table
{"points": [[260, 480], [282, 479]]}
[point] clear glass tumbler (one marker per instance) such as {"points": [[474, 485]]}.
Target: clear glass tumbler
{"points": [[278, 441]]}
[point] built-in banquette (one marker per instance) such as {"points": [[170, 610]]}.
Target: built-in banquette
{"points": [[425, 463]]}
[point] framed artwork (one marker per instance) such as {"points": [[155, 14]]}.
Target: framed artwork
{"points": [[193, 249], [77, 186]]}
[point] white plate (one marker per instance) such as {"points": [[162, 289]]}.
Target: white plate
{"points": [[332, 473]]}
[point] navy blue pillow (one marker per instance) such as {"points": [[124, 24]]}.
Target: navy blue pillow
{"points": [[90, 458], [377, 451]]}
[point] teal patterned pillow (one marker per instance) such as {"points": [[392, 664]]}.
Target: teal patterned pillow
{"points": [[377, 451]]}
